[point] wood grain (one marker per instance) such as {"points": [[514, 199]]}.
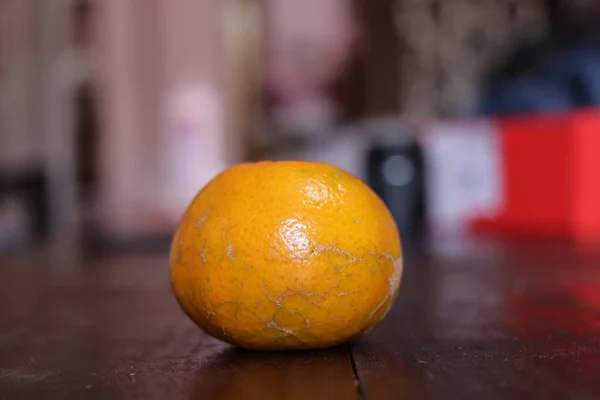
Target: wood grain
{"points": [[490, 321], [110, 328], [518, 321]]}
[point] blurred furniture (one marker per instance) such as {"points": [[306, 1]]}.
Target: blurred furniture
{"points": [[474, 320], [27, 189]]}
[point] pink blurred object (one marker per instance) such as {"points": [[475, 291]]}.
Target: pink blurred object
{"points": [[308, 45], [309, 48]]}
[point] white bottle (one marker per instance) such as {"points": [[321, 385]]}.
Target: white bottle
{"points": [[193, 146]]}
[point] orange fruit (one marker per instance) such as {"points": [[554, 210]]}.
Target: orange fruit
{"points": [[286, 255]]}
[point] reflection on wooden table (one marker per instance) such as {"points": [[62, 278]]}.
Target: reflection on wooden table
{"points": [[518, 321]]}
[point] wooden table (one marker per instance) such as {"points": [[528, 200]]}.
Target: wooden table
{"points": [[481, 321]]}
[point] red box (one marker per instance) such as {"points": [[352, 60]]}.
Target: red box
{"points": [[551, 177]]}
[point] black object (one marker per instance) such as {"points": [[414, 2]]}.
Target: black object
{"points": [[31, 186], [396, 174]]}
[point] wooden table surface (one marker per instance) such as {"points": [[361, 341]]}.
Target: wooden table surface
{"points": [[473, 321]]}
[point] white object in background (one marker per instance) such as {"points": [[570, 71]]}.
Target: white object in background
{"points": [[194, 147], [310, 117], [463, 173], [346, 151]]}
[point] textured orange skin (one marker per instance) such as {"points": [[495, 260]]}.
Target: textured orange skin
{"points": [[286, 255]]}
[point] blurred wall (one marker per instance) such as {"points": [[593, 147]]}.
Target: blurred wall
{"points": [[125, 146], [54, 44], [21, 145], [148, 56]]}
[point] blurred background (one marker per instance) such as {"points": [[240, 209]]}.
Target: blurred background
{"points": [[467, 117]]}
